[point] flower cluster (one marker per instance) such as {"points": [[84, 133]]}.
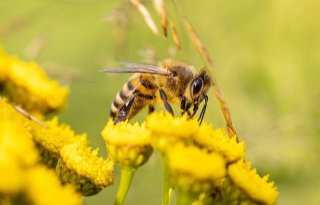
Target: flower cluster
{"points": [[203, 165], [22, 177], [42, 161]]}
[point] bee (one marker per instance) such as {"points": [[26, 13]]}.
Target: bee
{"points": [[168, 82]]}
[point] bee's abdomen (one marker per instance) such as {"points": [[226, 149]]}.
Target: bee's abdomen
{"points": [[118, 102], [141, 86]]}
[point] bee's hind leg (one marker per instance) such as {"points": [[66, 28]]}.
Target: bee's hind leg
{"points": [[124, 110], [165, 102]]}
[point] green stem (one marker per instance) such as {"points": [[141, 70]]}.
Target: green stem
{"points": [[125, 182], [167, 188], [185, 198]]}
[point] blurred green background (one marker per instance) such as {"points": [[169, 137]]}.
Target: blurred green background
{"points": [[267, 63]]}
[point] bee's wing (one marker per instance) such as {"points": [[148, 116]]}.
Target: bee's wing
{"points": [[138, 68]]}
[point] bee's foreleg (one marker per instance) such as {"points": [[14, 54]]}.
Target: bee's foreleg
{"points": [[184, 106], [151, 109], [204, 108], [124, 110], [195, 109], [165, 102]]}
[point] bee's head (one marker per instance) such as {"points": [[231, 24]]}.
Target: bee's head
{"points": [[199, 86]]}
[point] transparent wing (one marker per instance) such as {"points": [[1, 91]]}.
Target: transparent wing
{"points": [[138, 68]]}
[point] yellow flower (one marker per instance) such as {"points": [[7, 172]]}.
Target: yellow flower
{"points": [[195, 170], [168, 130], [256, 188], [81, 166], [3, 66], [218, 141], [11, 174], [15, 140], [127, 144], [17, 151], [43, 187], [5, 200], [52, 138], [26, 84]]}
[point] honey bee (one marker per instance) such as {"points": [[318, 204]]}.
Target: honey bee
{"points": [[170, 81]]}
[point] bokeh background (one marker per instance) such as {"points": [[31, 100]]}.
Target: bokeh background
{"points": [[266, 56]]}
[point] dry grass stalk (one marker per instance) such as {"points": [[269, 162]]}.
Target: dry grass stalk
{"points": [[35, 47], [218, 93], [146, 15], [225, 110], [29, 116], [198, 43], [161, 10], [175, 35]]}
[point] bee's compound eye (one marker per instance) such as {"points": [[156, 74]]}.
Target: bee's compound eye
{"points": [[197, 86]]}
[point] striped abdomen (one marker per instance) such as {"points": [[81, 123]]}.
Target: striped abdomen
{"points": [[143, 87]]}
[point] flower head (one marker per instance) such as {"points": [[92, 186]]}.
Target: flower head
{"points": [[81, 166], [168, 130], [127, 144], [52, 138], [15, 140], [8, 168], [194, 169], [26, 84], [218, 141], [256, 188]]}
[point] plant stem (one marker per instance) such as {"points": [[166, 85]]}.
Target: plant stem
{"points": [[185, 198], [167, 188], [126, 177]]}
